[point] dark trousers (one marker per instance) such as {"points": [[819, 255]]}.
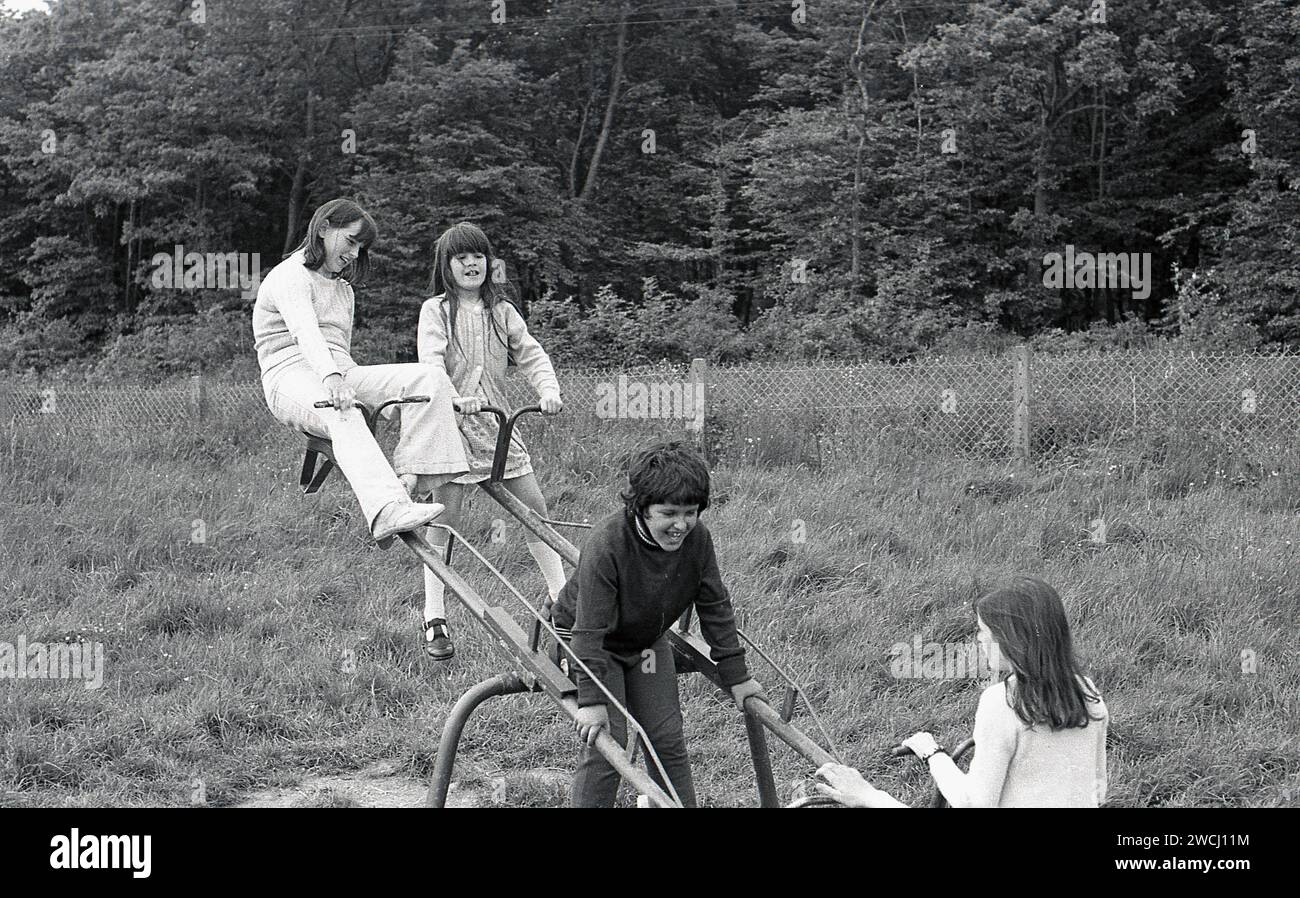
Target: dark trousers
{"points": [[648, 689]]}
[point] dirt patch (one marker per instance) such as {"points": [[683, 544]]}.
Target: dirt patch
{"points": [[382, 785], [375, 787]]}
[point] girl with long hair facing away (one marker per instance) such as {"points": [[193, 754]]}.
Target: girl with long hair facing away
{"points": [[1040, 731]]}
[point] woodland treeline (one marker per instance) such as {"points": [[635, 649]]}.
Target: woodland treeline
{"points": [[663, 179]]}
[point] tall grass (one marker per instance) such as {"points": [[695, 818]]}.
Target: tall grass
{"points": [[283, 643]]}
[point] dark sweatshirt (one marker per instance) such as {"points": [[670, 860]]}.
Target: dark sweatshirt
{"points": [[628, 592]]}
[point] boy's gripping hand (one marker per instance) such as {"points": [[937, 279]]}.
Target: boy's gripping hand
{"points": [[742, 691], [551, 404], [590, 721]]}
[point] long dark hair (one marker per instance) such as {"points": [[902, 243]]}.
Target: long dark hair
{"points": [[466, 237], [339, 213], [1027, 618]]}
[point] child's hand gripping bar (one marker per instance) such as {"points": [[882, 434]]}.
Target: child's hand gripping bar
{"points": [[373, 417], [899, 751], [937, 799]]}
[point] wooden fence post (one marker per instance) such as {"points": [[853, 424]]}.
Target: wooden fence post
{"points": [[1021, 387], [699, 386], [198, 396]]}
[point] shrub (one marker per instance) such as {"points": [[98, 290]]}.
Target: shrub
{"points": [[215, 342], [36, 344], [603, 335], [1201, 314]]}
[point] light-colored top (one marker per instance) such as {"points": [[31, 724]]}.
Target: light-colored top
{"points": [[303, 316], [477, 345], [476, 361], [1019, 766]]}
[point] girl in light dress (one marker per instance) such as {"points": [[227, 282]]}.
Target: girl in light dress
{"points": [[471, 329]]}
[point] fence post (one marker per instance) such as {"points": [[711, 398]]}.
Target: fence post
{"points": [[699, 387], [1020, 401], [198, 396]]}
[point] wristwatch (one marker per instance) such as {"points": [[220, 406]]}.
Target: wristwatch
{"points": [[938, 749]]}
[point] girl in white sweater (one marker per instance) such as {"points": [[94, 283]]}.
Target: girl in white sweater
{"points": [[302, 330], [1040, 732]]}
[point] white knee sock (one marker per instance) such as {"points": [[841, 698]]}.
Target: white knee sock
{"points": [[434, 589], [550, 564]]}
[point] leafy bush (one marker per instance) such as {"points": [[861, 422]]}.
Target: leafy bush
{"points": [[979, 339], [1131, 333], [214, 342], [37, 344], [66, 277], [1201, 314], [602, 335], [677, 329], [786, 332]]}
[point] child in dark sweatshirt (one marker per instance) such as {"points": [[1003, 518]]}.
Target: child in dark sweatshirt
{"points": [[640, 569]]}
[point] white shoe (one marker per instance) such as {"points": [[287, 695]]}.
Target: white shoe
{"points": [[402, 517]]}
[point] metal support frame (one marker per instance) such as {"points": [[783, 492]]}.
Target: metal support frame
{"points": [[311, 478], [536, 672], [690, 652], [501, 684], [767, 797]]}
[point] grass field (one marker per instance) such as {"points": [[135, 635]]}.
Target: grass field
{"points": [[255, 638]]}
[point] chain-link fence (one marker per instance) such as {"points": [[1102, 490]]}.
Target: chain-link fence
{"points": [[822, 413]]}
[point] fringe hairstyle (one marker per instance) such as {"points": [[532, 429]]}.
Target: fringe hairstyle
{"points": [[339, 213], [666, 474], [466, 237]]}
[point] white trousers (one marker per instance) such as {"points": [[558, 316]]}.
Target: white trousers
{"points": [[430, 441]]}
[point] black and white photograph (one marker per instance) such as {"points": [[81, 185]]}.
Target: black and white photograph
{"points": [[785, 404]]}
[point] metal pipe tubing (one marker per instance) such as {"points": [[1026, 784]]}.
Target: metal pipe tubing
{"points": [[502, 684], [767, 797], [787, 733], [539, 667], [535, 523]]}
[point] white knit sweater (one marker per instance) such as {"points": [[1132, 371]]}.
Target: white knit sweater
{"points": [[302, 316]]}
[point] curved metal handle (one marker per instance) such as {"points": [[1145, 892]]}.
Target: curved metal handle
{"points": [[365, 410], [401, 400], [505, 429], [492, 410], [899, 751], [373, 417]]}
